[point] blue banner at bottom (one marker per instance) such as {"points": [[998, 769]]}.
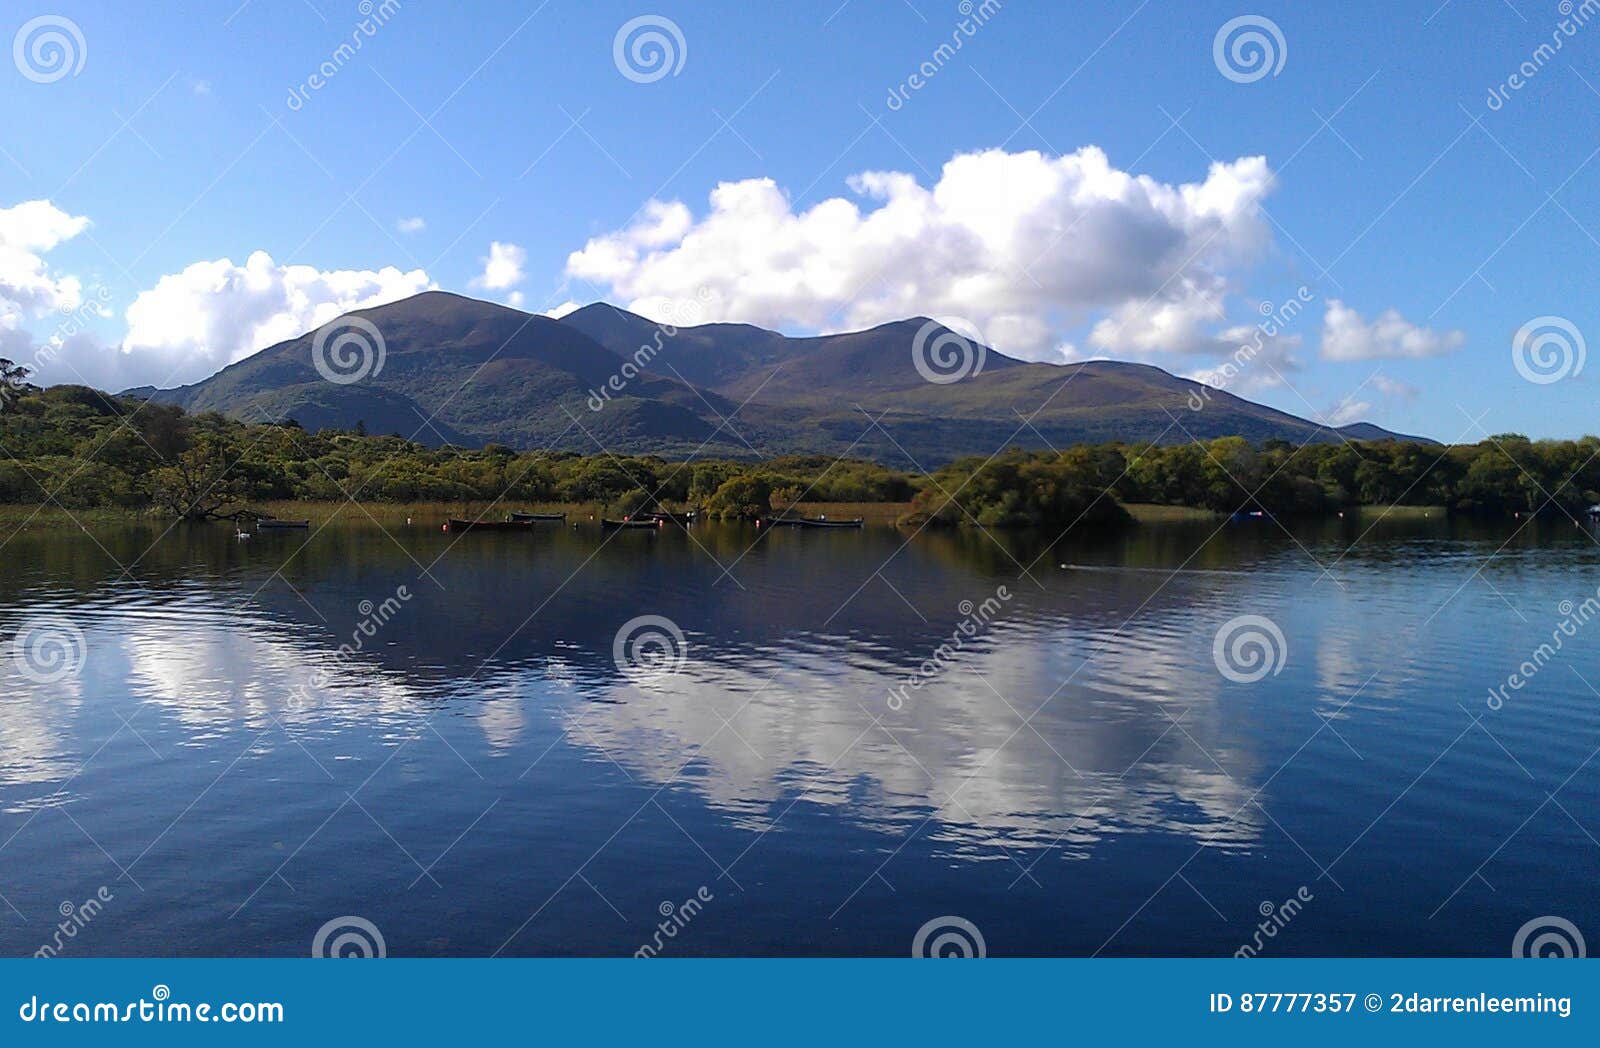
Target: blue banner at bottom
{"points": [[783, 1002]]}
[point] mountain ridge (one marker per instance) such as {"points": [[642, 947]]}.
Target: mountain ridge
{"points": [[457, 370]]}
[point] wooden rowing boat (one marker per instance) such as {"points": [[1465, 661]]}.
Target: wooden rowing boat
{"points": [[487, 525], [680, 518], [534, 518], [628, 522], [813, 522]]}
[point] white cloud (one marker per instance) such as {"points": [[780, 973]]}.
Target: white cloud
{"points": [[28, 287], [1347, 411], [210, 314], [1020, 244], [411, 225], [1346, 336], [562, 310], [502, 268]]}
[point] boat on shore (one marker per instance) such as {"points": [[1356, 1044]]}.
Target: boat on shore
{"points": [[811, 522], [630, 522], [535, 518], [454, 525]]}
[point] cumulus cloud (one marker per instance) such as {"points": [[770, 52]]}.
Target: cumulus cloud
{"points": [[1020, 244], [1346, 336], [502, 268], [411, 225], [210, 314], [28, 287]]}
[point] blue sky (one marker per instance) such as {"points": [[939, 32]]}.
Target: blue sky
{"points": [[1390, 183]]}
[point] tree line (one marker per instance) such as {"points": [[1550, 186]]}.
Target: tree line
{"points": [[79, 448]]}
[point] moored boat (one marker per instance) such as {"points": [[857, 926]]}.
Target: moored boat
{"points": [[534, 518], [269, 524], [630, 522], [487, 525], [813, 522]]}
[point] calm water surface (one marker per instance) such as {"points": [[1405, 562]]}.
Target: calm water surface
{"points": [[1077, 778]]}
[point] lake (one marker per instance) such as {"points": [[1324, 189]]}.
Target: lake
{"points": [[714, 742]]}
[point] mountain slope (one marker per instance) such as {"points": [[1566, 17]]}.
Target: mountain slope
{"points": [[457, 370]]}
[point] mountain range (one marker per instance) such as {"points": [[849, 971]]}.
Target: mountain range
{"points": [[456, 370]]}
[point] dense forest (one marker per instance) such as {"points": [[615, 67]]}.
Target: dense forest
{"points": [[78, 448]]}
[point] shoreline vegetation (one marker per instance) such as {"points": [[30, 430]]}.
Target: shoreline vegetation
{"points": [[74, 451]]}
